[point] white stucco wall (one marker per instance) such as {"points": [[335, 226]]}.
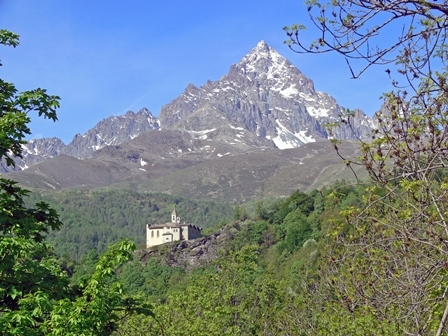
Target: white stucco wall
{"points": [[164, 234]]}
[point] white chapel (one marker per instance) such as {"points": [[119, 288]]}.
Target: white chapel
{"points": [[157, 234]]}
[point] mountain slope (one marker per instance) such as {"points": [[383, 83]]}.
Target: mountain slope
{"points": [[269, 173], [162, 162]]}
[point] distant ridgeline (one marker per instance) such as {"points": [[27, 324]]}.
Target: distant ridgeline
{"points": [[158, 234]]}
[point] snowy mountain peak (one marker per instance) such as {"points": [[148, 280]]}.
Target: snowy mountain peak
{"points": [[264, 57], [266, 66], [264, 94], [263, 50], [261, 47]]}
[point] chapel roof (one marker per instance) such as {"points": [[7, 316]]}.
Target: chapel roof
{"points": [[171, 225]]}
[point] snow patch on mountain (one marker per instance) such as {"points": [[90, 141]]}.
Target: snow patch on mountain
{"points": [[204, 131], [285, 138], [221, 155], [317, 112], [302, 136], [236, 128]]}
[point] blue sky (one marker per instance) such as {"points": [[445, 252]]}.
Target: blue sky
{"points": [[104, 58]]}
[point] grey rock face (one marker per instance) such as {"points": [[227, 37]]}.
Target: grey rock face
{"points": [[111, 131], [264, 94]]}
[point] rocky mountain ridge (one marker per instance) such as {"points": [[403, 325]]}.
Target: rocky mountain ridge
{"points": [[108, 132], [112, 131]]}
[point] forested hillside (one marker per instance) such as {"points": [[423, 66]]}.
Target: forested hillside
{"points": [[284, 267], [256, 285], [284, 270], [95, 219]]}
